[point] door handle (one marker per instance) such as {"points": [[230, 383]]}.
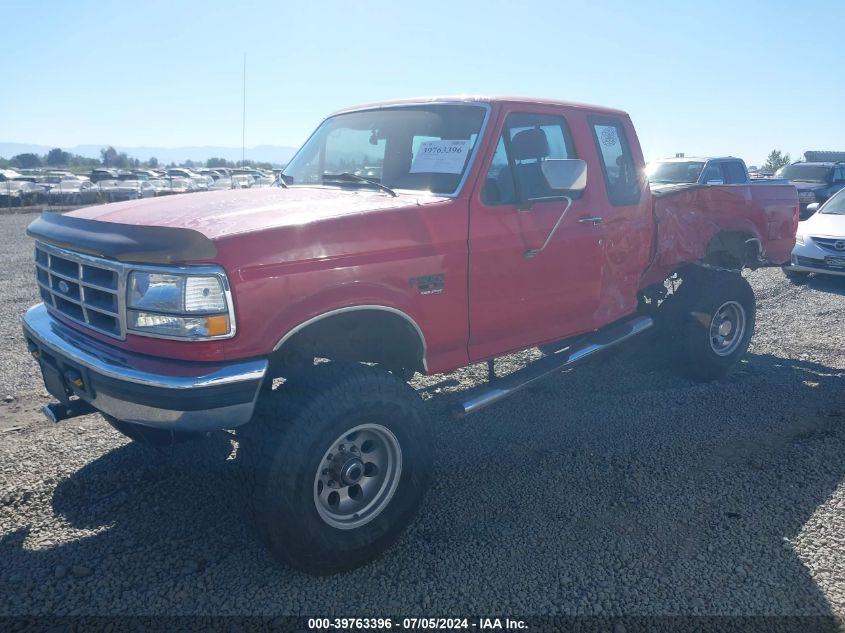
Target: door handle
{"points": [[594, 220]]}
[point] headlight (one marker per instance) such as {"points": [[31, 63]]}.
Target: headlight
{"points": [[178, 305], [799, 239]]}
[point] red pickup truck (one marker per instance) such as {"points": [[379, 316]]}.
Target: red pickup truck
{"points": [[403, 237]]}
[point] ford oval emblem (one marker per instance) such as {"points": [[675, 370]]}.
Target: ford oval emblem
{"points": [[64, 286], [839, 245]]}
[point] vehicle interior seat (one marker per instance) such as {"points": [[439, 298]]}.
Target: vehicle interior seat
{"points": [[528, 148]]}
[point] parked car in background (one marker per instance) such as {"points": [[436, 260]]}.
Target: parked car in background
{"points": [[816, 182], [9, 174], [201, 182], [697, 171], [118, 190], [820, 240], [180, 185], [144, 174], [242, 181], [160, 186], [221, 184], [73, 192], [98, 175], [131, 175], [21, 193]]}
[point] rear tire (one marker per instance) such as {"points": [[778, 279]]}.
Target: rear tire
{"points": [[338, 461], [709, 323]]}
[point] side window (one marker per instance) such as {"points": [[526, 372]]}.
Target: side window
{"points": [[713, 172], [839, 175], [515, 173], [620, 176], [734, 173]]}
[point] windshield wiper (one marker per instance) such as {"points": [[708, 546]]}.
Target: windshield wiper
{"points": [[347, 177]]}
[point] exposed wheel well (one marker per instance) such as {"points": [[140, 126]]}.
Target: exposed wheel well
{"points": [[734, 250], [370, 335]]}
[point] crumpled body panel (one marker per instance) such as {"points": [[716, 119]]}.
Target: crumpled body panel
{"points": [[688, 219]]}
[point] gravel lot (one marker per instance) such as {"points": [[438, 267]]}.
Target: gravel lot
{"points": [[618, 488]]}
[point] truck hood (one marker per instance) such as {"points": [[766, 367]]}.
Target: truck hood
{"points": [[218, 214]]}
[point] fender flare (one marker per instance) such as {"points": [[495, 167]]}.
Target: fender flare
{"points": [[357, 308]]}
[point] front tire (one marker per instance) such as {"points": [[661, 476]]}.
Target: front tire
{"points": [[710, 323], [339, 461]]}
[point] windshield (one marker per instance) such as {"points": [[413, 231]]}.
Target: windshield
{"points": [[836, 205], [674, 172], [805, 173], [420, 147]]}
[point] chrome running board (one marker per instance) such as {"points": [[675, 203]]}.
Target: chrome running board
{"points": [[570, 354]]}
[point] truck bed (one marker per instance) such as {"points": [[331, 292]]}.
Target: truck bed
{"points": [[689, 217]]}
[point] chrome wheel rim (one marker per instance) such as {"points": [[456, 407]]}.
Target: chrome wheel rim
{"points": [[357, 476], [727, 328]]}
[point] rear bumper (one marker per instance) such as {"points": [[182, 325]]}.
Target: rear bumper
{"points": [[161, 393]]}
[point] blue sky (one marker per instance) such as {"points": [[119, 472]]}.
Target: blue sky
{"points": [[704, 78]]}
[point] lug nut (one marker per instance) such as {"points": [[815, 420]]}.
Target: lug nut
{"points": [[341, 447], [325, 471]]}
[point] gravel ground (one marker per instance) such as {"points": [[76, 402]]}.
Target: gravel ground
{"points": [[618, 488]]}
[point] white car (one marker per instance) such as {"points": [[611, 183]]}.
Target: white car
{"points": [[820, 241]]}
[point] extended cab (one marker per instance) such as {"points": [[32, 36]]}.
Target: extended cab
{"points": [[410, 236]]}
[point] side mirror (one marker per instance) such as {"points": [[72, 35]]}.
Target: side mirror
{"points": [[812, 208], [715, 182], [565, 174]]}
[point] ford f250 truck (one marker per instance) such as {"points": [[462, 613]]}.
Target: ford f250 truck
{"points": [[409, 236]]}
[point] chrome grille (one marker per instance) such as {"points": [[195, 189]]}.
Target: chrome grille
{"points": [[829, 243], [82, 288]]}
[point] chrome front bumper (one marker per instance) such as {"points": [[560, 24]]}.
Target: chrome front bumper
{"points": [[156, 392], [809, 257]]}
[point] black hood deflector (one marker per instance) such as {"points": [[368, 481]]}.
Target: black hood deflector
{"points": [[123, 242]]}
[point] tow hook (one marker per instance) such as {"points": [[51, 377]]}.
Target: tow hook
{"points": [[58, 412]]}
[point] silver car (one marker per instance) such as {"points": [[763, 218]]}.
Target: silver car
{"points": [[820, 241]]}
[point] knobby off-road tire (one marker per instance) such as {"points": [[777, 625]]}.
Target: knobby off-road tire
{"points": [[150, 436], [709, 322], [337, 461]]}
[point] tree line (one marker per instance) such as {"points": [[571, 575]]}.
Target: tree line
{"points": [[110, 158]]}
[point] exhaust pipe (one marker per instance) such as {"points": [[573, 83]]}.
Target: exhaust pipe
{"points": [[58, 412], [577, 352]]}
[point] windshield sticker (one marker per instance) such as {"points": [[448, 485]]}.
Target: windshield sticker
{"points": [[441, 157]]}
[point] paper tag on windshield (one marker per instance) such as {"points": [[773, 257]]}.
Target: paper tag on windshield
{"points": [[441, 157]]}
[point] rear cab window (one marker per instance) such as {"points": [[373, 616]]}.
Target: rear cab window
{"points": [[620, 175], [734, 172]]}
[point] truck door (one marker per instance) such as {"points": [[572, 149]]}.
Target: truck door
{"points": [[519, 297]]}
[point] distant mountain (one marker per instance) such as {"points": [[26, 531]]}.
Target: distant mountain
{"points": [[261, 153]]}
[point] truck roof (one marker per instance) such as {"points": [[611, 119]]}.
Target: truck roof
{"points": [[484, 99]]}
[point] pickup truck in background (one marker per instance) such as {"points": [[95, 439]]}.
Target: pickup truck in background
{"points": [[407, 236], [726, 170]]}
